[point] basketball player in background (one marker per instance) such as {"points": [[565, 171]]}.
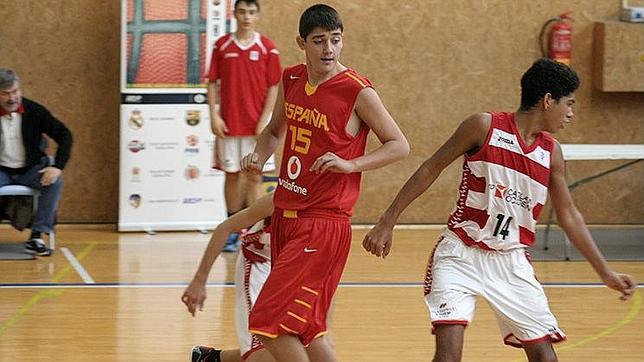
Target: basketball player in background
{"points": [[242, 80], [511, 162], [251, 269]]}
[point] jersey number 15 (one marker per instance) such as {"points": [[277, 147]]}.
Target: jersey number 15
{"points": [[300, 139]]}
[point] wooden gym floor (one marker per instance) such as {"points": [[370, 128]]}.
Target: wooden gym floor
{"points": [[120, 302]]}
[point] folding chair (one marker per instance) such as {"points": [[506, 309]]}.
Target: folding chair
{"points": [[20, 190]]}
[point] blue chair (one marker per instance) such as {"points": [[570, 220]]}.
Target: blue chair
{"points": [[20, 190]]}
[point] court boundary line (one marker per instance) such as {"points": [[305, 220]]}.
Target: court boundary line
{"points": [[232, 284], [77, 266], [43, 294]]}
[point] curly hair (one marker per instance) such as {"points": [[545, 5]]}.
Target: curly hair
{"points": [[547, 76], [319, 16]]}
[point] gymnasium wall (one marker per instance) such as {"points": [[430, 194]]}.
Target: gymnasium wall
{"points": [[433, 63]]}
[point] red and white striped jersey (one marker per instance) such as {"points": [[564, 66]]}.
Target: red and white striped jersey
{"points": [[256, 243], [503, 189]]}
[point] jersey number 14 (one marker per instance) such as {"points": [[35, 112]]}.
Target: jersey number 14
{"points": [[502, 230]]}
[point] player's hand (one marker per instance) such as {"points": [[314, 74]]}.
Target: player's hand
{"points": [[49, 175], [331, 162], [378, 240], [194, 296], [218, 126], [250, 163], [623, 283]]}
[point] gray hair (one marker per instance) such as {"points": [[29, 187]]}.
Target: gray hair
{"points": [[7, 78]]}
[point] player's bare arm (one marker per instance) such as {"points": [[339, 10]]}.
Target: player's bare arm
{"points": [[467, 138], [370, 110], [269, 103], [573, 224], [268, 140], [217, 123], [195, 294]]}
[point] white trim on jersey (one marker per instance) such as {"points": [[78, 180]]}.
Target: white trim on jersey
{"points": [[510, 142], [261, 45], [225, 44]]}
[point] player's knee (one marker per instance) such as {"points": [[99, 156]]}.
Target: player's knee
{"points": [[449, 342], [541, 352], [448, 352], [446, 355], [547, 357], [254, 178]]}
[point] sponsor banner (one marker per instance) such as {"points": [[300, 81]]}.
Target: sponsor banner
{"points": [[166, 178], [163, 98]]}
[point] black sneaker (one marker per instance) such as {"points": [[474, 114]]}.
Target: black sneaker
{"points": [[205, 354], [37, 246]]}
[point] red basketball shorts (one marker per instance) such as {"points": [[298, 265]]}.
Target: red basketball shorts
{"points": [[309, 251]]}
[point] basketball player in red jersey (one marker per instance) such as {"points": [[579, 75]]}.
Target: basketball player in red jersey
{"points": [[243, 79], [325, 111], [511, 163]]}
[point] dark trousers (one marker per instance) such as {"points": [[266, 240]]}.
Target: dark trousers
{"points": [[43, 220]]}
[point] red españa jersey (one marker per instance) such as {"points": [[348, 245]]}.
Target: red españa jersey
{"points": [[245, 74], [504, 188], [316, 121]]}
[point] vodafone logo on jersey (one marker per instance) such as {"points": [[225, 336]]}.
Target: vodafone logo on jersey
{"points": [[293, 170], [293, 167]]}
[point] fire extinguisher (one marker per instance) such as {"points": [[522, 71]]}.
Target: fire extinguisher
{"points": [[559, 39]]}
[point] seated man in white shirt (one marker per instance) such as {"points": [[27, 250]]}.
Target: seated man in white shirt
{"points": [[23, 123]]}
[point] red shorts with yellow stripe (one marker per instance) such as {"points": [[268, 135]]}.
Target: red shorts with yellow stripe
{"points": [[309, 250]]}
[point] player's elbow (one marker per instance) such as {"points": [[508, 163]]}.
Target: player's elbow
{"points": [[406, 148], [402, 149]]}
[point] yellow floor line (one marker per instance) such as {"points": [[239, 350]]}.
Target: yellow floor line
{"points": [[636, 306], [45, 293]]}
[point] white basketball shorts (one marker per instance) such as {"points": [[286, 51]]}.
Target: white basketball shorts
{"points": [[230, 150], [457, 273], [249, 279]]}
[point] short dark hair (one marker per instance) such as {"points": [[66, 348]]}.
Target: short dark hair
{"points": [[547, 76], [319, 16], [249, 2]]}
